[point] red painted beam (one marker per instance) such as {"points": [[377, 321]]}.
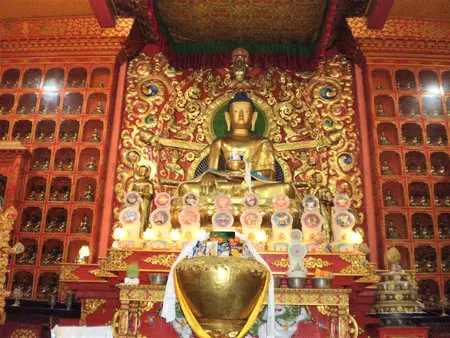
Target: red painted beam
{"points": [[104, 13], [378, 13]]}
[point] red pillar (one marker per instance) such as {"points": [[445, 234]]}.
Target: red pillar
{"points": [[371, 235], [108, 202]]}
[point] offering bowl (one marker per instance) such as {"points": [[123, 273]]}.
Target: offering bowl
{"points": [[157, 279], [322, 282], [221, 291], [296, 282], [277, 282]]}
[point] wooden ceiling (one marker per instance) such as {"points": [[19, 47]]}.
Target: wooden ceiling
{"points": [[16, 9]]}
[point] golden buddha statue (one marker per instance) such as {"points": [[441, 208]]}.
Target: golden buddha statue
{"points": [[238, 149]]}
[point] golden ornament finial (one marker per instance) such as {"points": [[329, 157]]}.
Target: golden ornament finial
{"points": [[393, 256]]}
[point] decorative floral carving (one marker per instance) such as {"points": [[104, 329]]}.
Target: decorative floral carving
{"points": [[314, 262], [102, 273], [162, 259], [67, 273], [358, 265], [115, 260], [90, 305]]}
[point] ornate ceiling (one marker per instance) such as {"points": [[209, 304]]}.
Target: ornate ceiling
{"points": [[244, 20]]}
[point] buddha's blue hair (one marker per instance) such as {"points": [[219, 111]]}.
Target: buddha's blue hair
{"points": [[241, 97]]}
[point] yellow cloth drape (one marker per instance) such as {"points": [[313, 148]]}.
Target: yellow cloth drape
{"points": [[195, 326]]}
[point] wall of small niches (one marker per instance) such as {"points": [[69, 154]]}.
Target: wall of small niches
{"points": [[60, 113], [411, 116]]}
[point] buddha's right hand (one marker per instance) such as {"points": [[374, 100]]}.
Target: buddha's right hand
{"points": [[207, 183]]}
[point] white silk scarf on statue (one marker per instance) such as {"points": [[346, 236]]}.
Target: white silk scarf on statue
{"points": [[170, 298]]}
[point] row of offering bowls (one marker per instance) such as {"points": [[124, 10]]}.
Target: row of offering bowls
{"points": [[300, 282], [292, 282]]}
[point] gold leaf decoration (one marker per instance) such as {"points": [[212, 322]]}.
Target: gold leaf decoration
{"points": [[358, 265], [163, 259], [115, 260], [102, 273], [313, 262], [281, 263], [90, 305], [67, 273]]}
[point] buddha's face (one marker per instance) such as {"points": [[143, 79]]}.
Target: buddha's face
{"points": [[241, 115]]}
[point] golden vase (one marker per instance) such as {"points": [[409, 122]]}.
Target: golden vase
{"points": [[221, 292]]}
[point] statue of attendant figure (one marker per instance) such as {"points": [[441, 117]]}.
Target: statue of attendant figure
{"points": [[325, 197], [144, 188]]}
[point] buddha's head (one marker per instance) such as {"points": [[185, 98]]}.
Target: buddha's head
{"points": [[241, 113]]}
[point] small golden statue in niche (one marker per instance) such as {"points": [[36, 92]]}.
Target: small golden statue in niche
{"points": [[84, 226], [29, 256], [91, 165], [32, 226], [54, 257], [392, 231], [88, 194], [95, 137], [98, 108], [65, 137], [447, 201], [422, 231], [389, 200], [66, 196], [423, 201], [419, 170], [384, 140], [412, 201], [36, 166], [438, 172], [54, 196], [440, 141], [69, 166], [386, 169], [381, 112]]}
